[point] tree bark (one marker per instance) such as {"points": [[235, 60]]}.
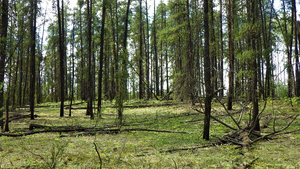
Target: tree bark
{"points": [[141, 73], [297, 85], [222, 51], [147, 55], [255, 111], [33, 5], [207, 75], [155, 56], [191, 81], [61, 59], [90, 80], [101, 59], [231, 59]]}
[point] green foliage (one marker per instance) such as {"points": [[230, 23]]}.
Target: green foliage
{"points": [[293, 101], [56, 154], [281, 89]]}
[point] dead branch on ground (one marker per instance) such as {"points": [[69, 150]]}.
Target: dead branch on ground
{"points": [[226, 125]]}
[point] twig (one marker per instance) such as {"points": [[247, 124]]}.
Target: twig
{"points": [[228, 140], [100, 159], [237, 124], [216, 120], [188, 148], [274, 133], [174, 163], [252, 162]]}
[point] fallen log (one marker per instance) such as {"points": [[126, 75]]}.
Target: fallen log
{"points": [[17, 117], [129, 107], [84, 131], [69, 128]]}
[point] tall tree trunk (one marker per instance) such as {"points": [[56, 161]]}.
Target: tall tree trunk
{"points": [[63, 36], [253, 37], [141, 73], [90, 79], [147, 55], [61, 59], [155, 56], [231, 59], [123, 85], [73, 67], [191, 81], [213, 47], [207, 75], [33, 5], [27, 69], [39, 92], [82, 62], [297, 85], [161, 56], [289, 49], [21, 65], [222, 50], [115, 62], [3, 36], [6, 128], [101, 59]]}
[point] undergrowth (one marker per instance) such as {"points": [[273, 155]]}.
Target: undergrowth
{"points": [[144, 149]]}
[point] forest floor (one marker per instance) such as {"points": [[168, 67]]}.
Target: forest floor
{"points": [[154, 135]]}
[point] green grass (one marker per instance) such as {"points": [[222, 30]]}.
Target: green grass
{"points": [[142, 149]]}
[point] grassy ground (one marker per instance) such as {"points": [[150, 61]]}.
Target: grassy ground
{"points": [[143, 149]]}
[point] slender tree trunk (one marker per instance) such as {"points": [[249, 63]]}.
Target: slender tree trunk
{"points": [[213, 47], [207, 75], [123, 85], [297, 85], [147, 54], [82, 62], [115, 59], [231, 59], [39, 92], [25, 89], [90, 81], [63, 36], [289, 49], [190, 58], [15, 79], [61, 59], [101, 59], [6, 128], [3, 35], [155, 56], [141, 73], [254, 36], [21, 65], [222, 50], [33, 5], [73, 67]]}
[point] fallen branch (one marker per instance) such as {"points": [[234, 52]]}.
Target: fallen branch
{"points": [[38, 126], [116, 131], [275, 132], [84, 131], [17, 117], [100, 159], [129, 107], [151, 130], [237, 124], [188, 148], [226, 125]]}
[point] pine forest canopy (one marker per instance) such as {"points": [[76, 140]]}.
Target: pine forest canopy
{"points": [[151, 49]]}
